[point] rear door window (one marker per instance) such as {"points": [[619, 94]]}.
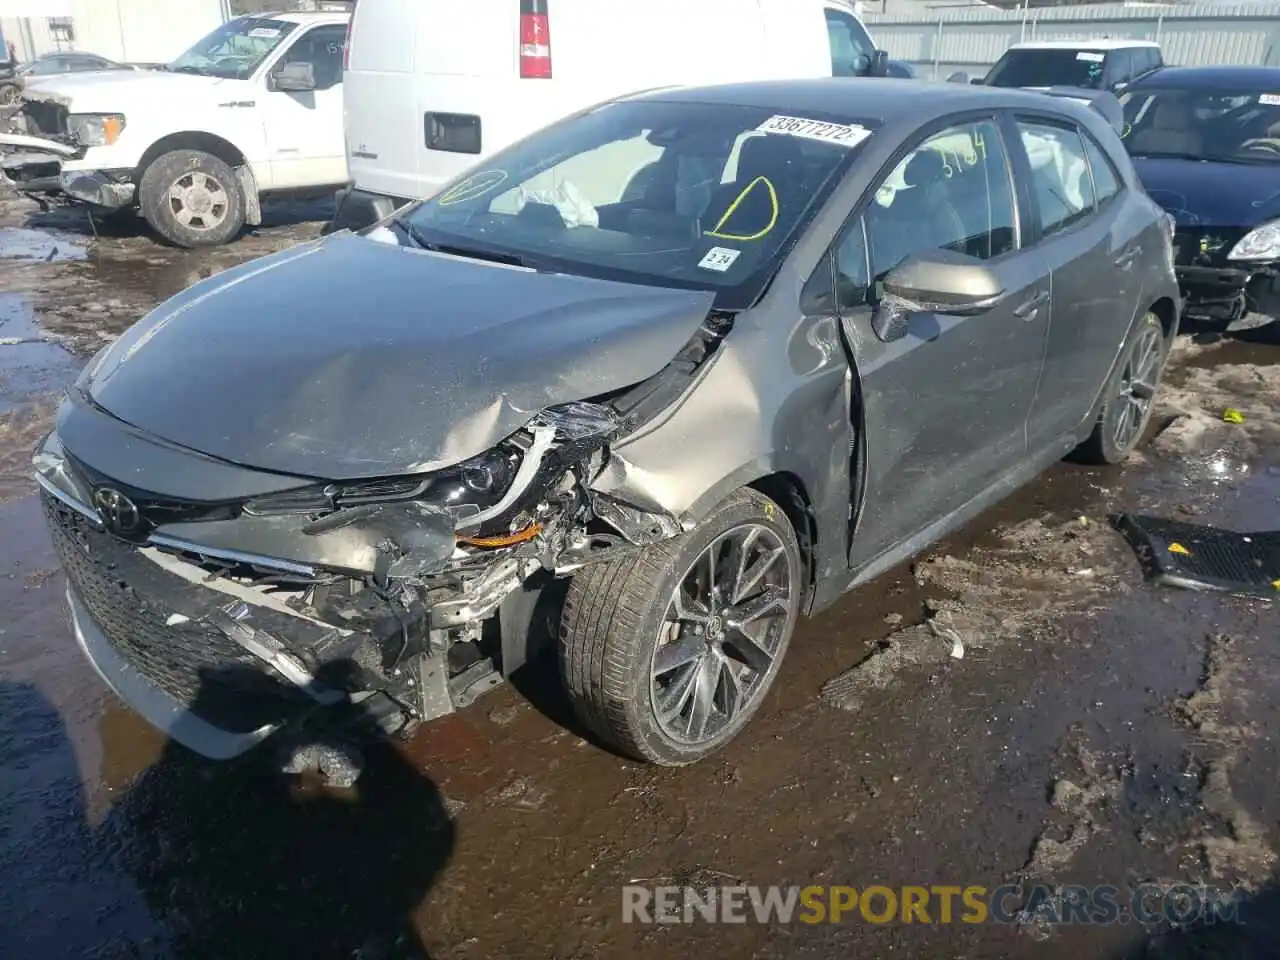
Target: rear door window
{"points": [[1060, 180], [1106, 182]]}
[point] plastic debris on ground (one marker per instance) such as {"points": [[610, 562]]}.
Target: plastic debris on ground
{"points": [[1196, 557]]}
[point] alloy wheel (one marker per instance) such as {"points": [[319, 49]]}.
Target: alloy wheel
{"points": [[198, 201], [720, 638], [1137, 388]]}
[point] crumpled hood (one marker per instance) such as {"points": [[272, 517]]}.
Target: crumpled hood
{"points": [[348, 358], [114, 91], [1205, 194]]}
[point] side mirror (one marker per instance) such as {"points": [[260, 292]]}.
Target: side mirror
{"points": [[939, 281], [959, 77], [295, 77], [879, 66], [978, 80]]}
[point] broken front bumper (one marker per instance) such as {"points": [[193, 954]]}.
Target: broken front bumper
{"points": [[31, 164]]}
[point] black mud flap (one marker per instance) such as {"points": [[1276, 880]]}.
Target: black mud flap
{"points": [[1195, 557]]}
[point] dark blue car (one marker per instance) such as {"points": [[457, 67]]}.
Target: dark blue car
{"points": [[1206, 144]]}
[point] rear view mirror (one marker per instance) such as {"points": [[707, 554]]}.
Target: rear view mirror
{"points": [[295, 77], [939, 281], [958, 77], [879, 66]]}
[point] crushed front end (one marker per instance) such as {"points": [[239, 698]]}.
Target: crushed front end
{"points": [[1219, 286], [222, 622], [44, 148]]}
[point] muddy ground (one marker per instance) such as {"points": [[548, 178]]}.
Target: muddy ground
{"points": [[1015, 706]]}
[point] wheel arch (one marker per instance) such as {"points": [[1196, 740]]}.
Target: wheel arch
{"points": [[210, 143], [1167, 311], [787, 490]]}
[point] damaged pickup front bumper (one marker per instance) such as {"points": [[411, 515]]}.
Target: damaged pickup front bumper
{"points": [[39, 156], [222, 623]]}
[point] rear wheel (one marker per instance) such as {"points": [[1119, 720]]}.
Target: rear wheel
{"points": [[1130, 396], [667, 654], [192, 199], [10, 94]]}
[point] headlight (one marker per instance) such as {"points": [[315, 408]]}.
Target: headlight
{"points": [[475, 484], [1262, 243], [96, 129]]}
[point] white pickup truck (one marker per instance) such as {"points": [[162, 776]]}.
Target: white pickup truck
{"points": [[254, 108]]}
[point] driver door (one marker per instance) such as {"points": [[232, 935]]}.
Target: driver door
{"points": [[305, 143], [945, 407]]}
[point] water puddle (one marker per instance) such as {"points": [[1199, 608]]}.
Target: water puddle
{"points": [[20, 243], [31, 365]]}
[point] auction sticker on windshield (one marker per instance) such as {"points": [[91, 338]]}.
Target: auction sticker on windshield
{"points": [[264, 33], [1269, 99], [1090, 56], [844, 134], [719, 259]]}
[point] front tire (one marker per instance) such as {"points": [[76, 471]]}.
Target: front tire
{"points": [[1130, 396], [668, 653], [192, 199]]}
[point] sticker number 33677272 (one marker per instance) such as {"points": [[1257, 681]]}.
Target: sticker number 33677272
{"points": [[844, 134]]}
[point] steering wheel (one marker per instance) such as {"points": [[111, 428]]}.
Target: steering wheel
{"points": [[1261, 143]]}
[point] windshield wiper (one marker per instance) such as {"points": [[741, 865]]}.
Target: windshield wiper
{"points": [[453, 249], [1165, 155]]}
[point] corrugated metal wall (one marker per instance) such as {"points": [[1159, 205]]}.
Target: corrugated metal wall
{"points": [[942, 41]]}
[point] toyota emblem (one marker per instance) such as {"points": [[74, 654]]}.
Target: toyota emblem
{"points": [[118, 512]]}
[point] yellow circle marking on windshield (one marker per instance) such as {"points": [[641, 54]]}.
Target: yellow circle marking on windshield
{"points": [[472, 187], [737, 202]]}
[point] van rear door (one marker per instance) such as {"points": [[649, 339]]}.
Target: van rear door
{"points": [[382, 130]]}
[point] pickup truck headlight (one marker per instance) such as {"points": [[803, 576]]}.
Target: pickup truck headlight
{"points": [[96, 129], [1261, 243]]}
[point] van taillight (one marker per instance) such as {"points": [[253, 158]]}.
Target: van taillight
{"points": [[535, 40], [346, 50]]}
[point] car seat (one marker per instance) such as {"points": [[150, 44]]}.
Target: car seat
{"points": [[921, 217], [743, 210], [1172, 130]]}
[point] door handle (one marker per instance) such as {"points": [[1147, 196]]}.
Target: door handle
{"points": [[1029, 309], [1125, 260]]}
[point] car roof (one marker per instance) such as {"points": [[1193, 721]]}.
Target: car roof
{"points": [[305, 19], [860, 98], [1261, 79], [1105, 43], [71, 53]]}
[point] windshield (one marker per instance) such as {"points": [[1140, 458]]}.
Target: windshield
{"points": [[1232, 126], [692, 195], [235, 49], [1048, 68]]}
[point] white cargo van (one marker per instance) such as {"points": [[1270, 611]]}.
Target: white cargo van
{"points": [[433, 86]]}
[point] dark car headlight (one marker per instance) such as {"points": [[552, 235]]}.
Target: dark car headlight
{"points": [[477, 483]]}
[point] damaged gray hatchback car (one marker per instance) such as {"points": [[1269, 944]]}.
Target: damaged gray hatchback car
{"points": [[712, 356]]}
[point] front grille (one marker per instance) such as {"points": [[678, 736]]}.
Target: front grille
{"points": [[198, 666]]}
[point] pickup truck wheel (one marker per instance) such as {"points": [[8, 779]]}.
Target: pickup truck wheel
{"points": [[1130, 396], [667, 653], [192, 199], [10, 94]]}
